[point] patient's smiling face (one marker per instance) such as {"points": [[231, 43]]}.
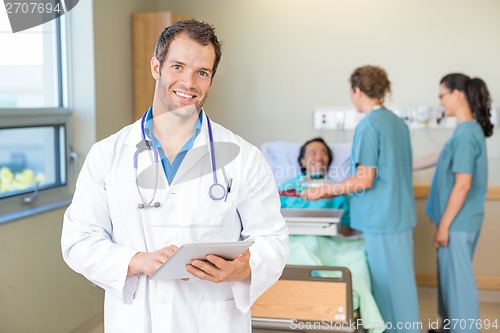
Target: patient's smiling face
{"points": [[315, 159]]}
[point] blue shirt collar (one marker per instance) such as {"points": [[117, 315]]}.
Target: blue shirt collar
{"points": [[148, 129], [171, 169]]}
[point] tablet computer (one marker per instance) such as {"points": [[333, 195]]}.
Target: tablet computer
{"points": [[175, 266]]}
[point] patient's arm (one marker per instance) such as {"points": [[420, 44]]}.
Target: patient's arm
{"points": [[361, 181], [345, 230], [426, 161], [294, 193]]}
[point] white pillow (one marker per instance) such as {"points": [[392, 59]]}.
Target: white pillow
{"points": [[282, 157]]}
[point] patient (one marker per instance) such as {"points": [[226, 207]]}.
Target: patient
{"points": [[315, 158], [313, 250]]}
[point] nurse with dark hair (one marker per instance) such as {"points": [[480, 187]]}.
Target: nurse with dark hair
{"points": [[457, 196]]}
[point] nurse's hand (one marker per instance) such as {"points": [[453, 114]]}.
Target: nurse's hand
{"points": [[217, 270], [441, 236], [313, 193], [148, 262]]}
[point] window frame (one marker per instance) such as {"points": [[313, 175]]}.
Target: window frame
{"points": [[12, 207]]}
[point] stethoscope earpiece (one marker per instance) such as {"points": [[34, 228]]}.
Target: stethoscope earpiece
{"points": [[143, 205]]}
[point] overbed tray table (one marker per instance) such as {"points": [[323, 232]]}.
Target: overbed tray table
{"points": [[322, 222]]}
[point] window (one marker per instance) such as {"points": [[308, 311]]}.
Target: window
{"points": [[31, 159], [30, 66], [35, 125]]}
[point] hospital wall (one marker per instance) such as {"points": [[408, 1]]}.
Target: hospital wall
{"points": [[284, 58]]}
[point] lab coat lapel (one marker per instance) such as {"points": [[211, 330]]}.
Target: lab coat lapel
{"points": [[134, 136]]}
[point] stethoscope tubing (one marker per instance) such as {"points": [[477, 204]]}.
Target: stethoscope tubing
{"points": [[216, 190]]}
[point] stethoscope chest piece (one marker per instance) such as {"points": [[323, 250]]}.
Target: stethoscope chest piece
{"points": [[217, 191]]}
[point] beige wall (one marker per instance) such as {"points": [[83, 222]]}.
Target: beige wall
{"points": [[38, 292], [284, 58]]}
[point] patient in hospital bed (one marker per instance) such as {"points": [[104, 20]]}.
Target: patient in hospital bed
{"points": [[314, 159], [298, 167]]}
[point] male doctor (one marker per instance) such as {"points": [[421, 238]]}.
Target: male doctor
{"points": [[171, 178]]}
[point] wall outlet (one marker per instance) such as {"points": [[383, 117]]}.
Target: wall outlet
{"points": [[423, 116], [338, 119], [324, 119]]}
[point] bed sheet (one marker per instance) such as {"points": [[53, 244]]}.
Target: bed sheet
{"points": [[344, 252]]}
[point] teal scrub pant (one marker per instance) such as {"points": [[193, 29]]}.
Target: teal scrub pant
{"points": [[458, 302], [390, 259]]}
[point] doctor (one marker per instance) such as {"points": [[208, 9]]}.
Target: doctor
{"points": [[171, 178]]}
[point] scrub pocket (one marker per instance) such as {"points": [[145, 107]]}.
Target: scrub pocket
{"points": [[223, 317]]}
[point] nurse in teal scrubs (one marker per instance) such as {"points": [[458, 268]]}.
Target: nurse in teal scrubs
{"points": [[456, 199], [382, 201]]}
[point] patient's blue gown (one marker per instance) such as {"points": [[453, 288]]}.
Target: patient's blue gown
{"points": [[340, 202]]}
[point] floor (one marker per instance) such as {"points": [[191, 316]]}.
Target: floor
{"points": [[489, 309]]}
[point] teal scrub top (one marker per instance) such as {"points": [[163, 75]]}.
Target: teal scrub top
{"points": [[340, 202], [382, 141], [464, 152]]}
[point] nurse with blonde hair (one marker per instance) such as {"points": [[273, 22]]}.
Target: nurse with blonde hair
{"points": [[382, 202]]}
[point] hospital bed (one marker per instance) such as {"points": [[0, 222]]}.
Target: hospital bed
{"points": [[302, 301], [344, 254]]}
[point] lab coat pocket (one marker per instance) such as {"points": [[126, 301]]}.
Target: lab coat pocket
{"points": [[212, 211], [216, 222], [201, 218], [223, 317]]}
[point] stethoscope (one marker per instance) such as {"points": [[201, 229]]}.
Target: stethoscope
{"points": [[216, 191]]}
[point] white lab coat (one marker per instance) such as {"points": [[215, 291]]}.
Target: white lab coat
{"points": [[103, 229]]}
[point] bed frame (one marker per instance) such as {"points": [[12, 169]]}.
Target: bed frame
{"points": [[301, 301]]}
